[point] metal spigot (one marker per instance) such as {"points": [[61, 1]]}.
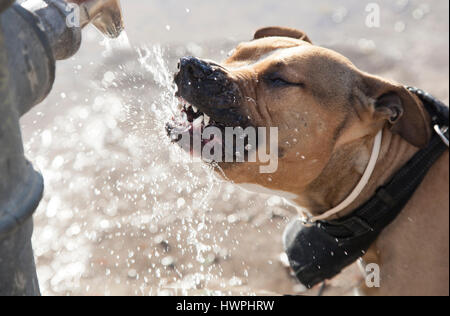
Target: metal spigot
{"points": [[33, 35], [105, 15], [62, 21]]}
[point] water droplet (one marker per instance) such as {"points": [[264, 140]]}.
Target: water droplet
{"points": [[132, 274], [168, 261]]}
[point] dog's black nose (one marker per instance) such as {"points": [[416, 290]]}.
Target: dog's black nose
{"points": [[194, 68], [209, 87], [200, 78]]}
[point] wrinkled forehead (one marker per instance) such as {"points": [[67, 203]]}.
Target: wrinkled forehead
{"points": [[254, 51], [294, 56], [288, 52], [327, 72]]}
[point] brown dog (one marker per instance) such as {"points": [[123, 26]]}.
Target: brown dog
{"points": [[328, 113]]}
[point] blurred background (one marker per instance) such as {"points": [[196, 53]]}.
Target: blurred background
{"points": [[118, 216]]}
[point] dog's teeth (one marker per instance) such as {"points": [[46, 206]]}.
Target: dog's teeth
{"points": [[207, 119], [195, 109]]}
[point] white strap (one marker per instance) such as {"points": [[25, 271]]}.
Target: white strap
{"points": [[361, 185]]}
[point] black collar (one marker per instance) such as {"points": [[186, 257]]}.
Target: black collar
{"points": [[320, 251], [389, 200]]}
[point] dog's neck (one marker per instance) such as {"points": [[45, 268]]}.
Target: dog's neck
{"points": [[345, 170]]}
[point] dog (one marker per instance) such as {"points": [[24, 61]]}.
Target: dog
{"points": [[328, 114]]}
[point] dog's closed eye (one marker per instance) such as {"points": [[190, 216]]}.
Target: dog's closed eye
{"points": [[279, 82]]}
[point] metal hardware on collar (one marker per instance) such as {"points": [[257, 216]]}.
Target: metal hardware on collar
{"points": [[442, 133], [439, 113], [320, 250]]}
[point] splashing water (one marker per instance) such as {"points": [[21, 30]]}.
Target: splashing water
{"points": [[121, 43], [153, 62], [118, 190], [120, 217]]}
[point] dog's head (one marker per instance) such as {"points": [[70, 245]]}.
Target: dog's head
{"points": [[316, 98]]}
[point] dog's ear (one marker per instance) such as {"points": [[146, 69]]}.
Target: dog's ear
{"points": [[281, 32], [403, 110]]}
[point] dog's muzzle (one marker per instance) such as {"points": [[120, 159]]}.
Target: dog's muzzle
{"points": [[209, 87]]}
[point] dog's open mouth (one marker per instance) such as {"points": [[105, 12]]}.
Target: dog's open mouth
{"points": [[190, 121], [212, 123], [193, 130]]}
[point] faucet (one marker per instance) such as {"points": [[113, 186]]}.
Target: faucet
{"points": [[64, 19], [32, 37], [38, 32], [105, 15]]}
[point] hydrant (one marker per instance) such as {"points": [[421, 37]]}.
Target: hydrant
{"points": [[33, 36]]}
